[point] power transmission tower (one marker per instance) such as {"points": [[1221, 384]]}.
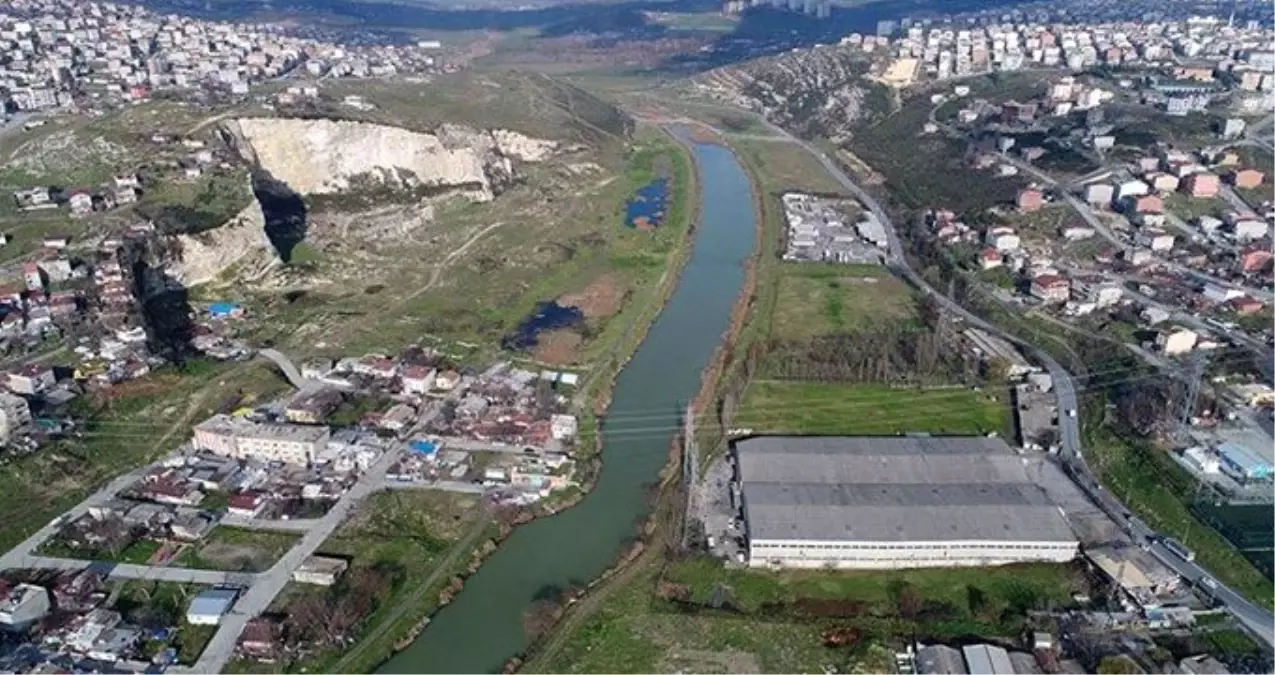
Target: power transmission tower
{"points": [[1194, 376]]}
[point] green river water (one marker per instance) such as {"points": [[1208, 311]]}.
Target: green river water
{"points": [[483, 627]]}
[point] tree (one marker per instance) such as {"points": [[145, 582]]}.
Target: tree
{"points": [[909, 601], [1117, 665]]}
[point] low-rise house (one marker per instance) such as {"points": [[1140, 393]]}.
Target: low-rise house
{"points": [[398, 418], [31, 379], [313, 407], [1155, 239], [22, 605], [1177, 341], [166, 490], [417, 380], [81, 202], [1245, 178], [246, 504], [33, 277], [447, 380], [191, 525], [320, 570], [15, 414], [1249, 229], [563, 427], [56, 269], [260, 639], [207, 608], [1133, 188], [1247, 305], [114, 644], [1201, 185], [124, 195], [1163, 182], [1030, 200], [1003, 239], [1147, 204], [375, 366], [990, 258], [34, 198], [1099, 194], [1051, 288], [1255, 259], [79, 591], [1102, 292], [91, 627]]}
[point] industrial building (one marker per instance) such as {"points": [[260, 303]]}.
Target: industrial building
{"points": [[893, 502], [1242, 463]]}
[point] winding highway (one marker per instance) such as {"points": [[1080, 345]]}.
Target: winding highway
{"points": [[1260, 622]]}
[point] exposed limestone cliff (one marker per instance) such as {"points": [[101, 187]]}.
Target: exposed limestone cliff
{"points": [[241, 240], [318, 156]]}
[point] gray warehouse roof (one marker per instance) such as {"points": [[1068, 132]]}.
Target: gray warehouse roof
{"points": [[893, 489]]}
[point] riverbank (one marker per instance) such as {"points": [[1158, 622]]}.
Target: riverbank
{"points": [[513, 595], [662, 528], [595, 398]]}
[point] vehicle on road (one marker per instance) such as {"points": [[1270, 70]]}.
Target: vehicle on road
{"points": [[1209, 583], [1176, 548]]}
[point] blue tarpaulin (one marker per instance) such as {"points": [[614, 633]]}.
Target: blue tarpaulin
{"points": [[423, 447]]}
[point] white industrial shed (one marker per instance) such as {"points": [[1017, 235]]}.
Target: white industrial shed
{"points": [[894, 502]]}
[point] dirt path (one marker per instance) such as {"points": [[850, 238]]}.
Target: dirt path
{"points": [[209, 120], [435, 276], [418, 597]]}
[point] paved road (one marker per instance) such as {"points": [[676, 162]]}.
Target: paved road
{"points": [[112, 570], [1258, 620], [1087, 213], [444, 485], [268, 584], [25, 551]]}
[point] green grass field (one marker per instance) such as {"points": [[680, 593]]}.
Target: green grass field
{"points": [[870, 410], [788, 166], [816, 300], [637, 631]]}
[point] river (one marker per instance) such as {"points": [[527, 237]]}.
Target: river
{"points": [[483, 626]]}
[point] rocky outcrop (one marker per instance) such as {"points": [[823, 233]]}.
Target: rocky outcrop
{"points": [[319, 156], [203, 256]]}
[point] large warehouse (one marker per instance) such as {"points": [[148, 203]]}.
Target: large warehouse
{"points": [[892, 502]]}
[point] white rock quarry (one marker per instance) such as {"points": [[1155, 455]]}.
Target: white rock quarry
{"points": [[323, 156], [206, 254]]}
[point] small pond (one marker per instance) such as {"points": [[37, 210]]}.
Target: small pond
{"points": [[648, 206], [548, 316]]}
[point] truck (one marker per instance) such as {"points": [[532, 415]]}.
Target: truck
{"points": [[1176, 548]]}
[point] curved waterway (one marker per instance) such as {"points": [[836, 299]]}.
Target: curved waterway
{"points": [[483, 627]]}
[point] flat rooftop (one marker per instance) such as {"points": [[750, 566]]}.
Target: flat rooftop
{"points": [[242, 428], [893, 489]]}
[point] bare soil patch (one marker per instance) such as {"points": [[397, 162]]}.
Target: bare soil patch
{"points": [[601, 298], [704, 661], [559, 347], [234, 557]]}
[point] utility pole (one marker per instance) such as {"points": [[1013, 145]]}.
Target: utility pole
{"points": [[690, 471]]}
